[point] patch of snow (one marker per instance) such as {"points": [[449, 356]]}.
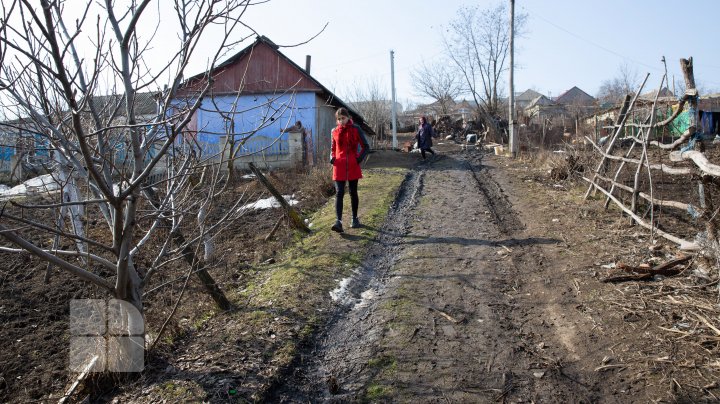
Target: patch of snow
{"points": [[43, 183], [16, 191], [341, 292], [268, 203], [365, 298]]}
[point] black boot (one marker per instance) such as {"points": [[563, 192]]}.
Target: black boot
{"points": [[337, 226]]}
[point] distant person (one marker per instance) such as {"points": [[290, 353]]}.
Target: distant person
{"points": [[349, 148], [424, 137]]}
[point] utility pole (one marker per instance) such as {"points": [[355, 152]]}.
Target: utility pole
{"points": [[511, 120], [394, 113]]}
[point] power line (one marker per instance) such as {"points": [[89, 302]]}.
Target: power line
{"points": [[373, 55], [612, 51], [594, 43]]}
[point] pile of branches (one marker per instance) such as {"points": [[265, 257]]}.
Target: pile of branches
{"points": [[457, 128]]}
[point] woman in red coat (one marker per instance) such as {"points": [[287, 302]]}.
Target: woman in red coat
{"points": [[349, 148]]}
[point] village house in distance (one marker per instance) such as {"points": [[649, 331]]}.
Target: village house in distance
{"points": [[255, 99]]}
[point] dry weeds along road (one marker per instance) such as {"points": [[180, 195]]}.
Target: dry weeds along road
{"points": [[445, 318]]}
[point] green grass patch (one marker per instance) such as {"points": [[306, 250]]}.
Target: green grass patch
{"points": [[312, 267], [198, 323], [383, 368], [401, 305], [296, 289], [286, 352], [384, 363], [377, 392], [180, 390]]}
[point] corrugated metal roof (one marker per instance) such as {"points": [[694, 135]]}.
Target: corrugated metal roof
{"points": [[527, 95], [193, 83], [145, 104], [575, 96], [540, 100]]}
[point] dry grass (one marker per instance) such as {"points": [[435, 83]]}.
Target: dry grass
{"points": [[564, 164]]}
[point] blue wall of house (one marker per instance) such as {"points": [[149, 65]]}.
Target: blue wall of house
{"points": [[272, 113], [9, 143], [6, 150]]}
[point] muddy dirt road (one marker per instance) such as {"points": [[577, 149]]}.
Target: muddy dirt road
{"points": [[484, 283], [452, 306]]}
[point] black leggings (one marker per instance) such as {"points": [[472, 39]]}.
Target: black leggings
{"points": [[422, 151], [354, 200]]}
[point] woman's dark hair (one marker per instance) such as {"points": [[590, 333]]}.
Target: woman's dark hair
{"points": [[342, 111]]}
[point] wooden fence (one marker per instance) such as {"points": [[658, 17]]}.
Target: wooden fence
{"points": [[667, 188]]}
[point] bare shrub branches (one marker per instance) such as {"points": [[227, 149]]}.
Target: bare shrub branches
{"points": [[135, 186]]}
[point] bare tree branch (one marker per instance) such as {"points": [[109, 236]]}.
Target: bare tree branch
{"points": [[438, 81], [82, 89]]}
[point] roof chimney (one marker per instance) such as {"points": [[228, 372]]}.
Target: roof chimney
{"points": [[307, 64]]}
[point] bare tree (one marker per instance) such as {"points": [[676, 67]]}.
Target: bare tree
{"points": [[134, 179], [477, 42], [702, 88], [438, 81], [625, 82], [371, 100]]}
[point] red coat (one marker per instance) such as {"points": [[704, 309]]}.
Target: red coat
{"points": [[344, 154]]}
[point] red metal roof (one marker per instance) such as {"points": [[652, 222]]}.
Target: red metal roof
{"points": [[262, 68]]}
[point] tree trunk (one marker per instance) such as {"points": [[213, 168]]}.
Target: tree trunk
{"points": [[211, 287], [231, 161], [70, 193], [705, 200], [295, 218], [126, 329]]}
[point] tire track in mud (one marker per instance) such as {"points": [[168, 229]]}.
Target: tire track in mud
{"points": [[499, 207], [312, 380], [381, 254], [309, 380], [433, 314]]}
